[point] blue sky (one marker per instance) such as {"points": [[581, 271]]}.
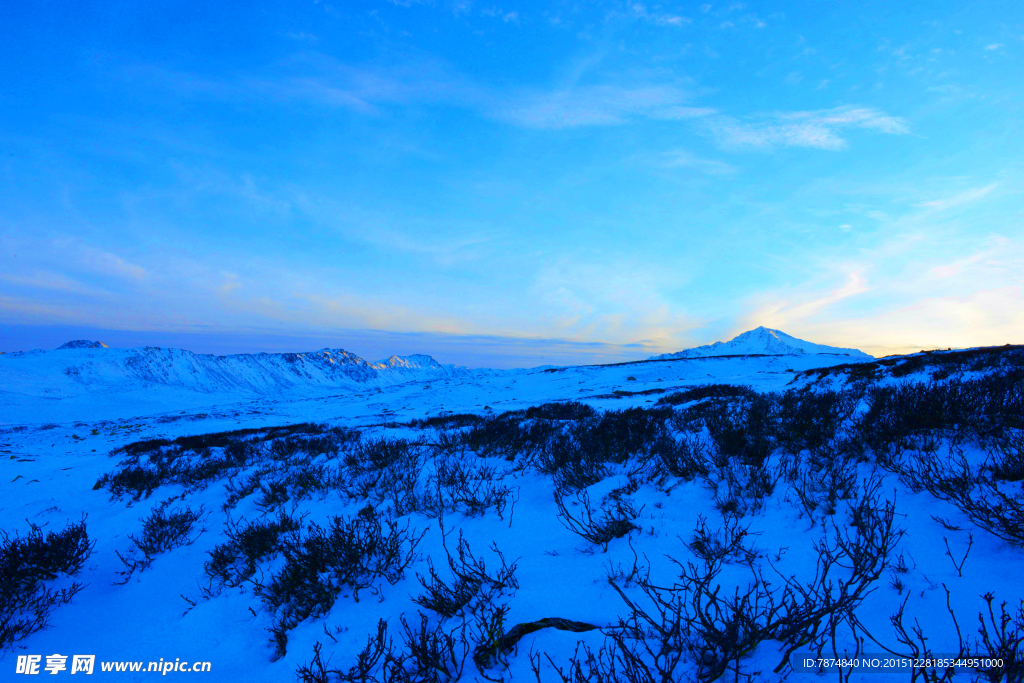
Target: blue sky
{"points": [[511, 183]]}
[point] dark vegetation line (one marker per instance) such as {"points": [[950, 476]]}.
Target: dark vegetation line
{"points": [[939, 364]]}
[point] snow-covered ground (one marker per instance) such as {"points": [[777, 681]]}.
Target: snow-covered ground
{"points": [[62, 416]]}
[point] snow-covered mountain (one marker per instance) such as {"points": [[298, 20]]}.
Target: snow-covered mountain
{"points": [[763, 341], [415, 362], [82, 344], [84, 367]]}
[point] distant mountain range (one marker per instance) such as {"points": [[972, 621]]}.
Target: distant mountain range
{"points": [[766, 342], [85, 366]]}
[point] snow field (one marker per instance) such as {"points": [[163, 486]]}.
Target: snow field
{"points": [[559, 573]]}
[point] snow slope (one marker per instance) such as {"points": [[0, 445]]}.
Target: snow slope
{"points": [[165, 611], [763, 341]]}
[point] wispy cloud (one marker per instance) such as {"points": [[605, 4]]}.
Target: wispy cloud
{"points": [[105, 263], [684, 159], [783, 308], [35, 279], [820, 129], [640, 11], [509, 17], [905, 294], [965, 197], [370, 89], [597, 105]]}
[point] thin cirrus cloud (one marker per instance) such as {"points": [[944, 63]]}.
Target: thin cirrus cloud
{"points": [[684, 159], [959, 199], [600, 105], [367, 90], [820, 129]]}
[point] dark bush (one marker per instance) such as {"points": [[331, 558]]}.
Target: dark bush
{"points": [[620, 434], [27, 564], [509, 436], [571, 464], [1009, 464], [705, 391], [190, 461], [449, 421], [247, 545], [744, 429], [134, 480], [470, 580], [807, 419], [569, 410], [694, 621], [600, 526], [980, 409], [686, 457], [458, 484], [952, 478], [352, 553], [161, 531], [222, 439], [378, 454]]}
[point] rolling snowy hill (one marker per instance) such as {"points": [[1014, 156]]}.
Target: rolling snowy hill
{"points": [[764, 342]]}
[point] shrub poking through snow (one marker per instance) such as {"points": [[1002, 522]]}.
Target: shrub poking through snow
{"points": [[163, 530], [470, 580], [1009, 464], [463, 484], [569, 410], [467, 628], [352, 553], [952, 478], [429, 653], [690, 623], [724, 544], [600, 526], [686, 457], [194, 462], [28, 564], [998, 645], [247, 545]]}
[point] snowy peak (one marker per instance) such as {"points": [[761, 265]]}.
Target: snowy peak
{"points": [[83, 344], [763, 341], [416, 361]]}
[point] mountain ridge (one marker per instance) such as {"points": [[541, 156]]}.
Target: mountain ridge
{"points": [[82, 344], [83, 367]]}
